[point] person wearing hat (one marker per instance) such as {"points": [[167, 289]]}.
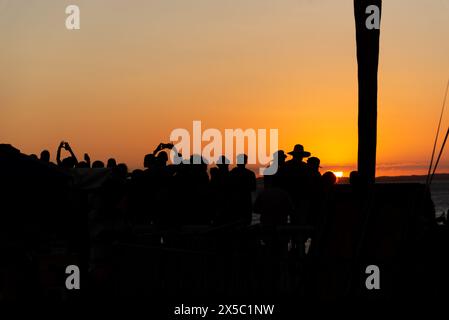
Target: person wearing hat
{"points": [[298, 154], [296, 181], [296, 167]]}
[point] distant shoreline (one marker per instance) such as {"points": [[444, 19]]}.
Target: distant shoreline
{"points": [[439, 176], [403, 178]]}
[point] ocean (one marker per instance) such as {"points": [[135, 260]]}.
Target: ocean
{"points": [[440, 196], [439, 189]]}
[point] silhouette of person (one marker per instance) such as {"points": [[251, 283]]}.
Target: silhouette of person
{"points": [[220, 186], [298, 154], [273, 174], [297, 182], [274, 206], [273, 203], [220, 174], [82, 164], [147, 200], [159, 184], [112, 163], [329, 180], [97, 164], [148, 161], [45, 156], [243, 183], [192, 190], [315, 190], [137, 198], [68, 162], [121, 170], [162, 159], [354, 179], [136, 174], [85, 163], [198, 170], [313, 163]]}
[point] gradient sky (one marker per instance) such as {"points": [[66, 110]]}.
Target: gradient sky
{"points": [[138, 69]]}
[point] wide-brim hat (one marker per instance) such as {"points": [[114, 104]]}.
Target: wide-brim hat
{"points": [[298, 150]]}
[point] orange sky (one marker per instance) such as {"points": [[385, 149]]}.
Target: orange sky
{"points": [[118, 86]]}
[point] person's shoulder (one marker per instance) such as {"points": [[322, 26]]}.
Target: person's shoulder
{"points": [[234, 170]]}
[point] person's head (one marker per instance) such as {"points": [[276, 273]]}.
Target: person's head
{"points": [[242, 160], [162, 158], [314, 163], [223, 163], [121, 170], [111, 163], [82, 164], [354, 178], [45, 156], [329, 179], [98, 164], [68, 162], [136, 174], [279, 157], [148, 160], [298, 152]]}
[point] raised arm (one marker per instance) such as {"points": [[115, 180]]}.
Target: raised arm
{"points": [[158, 148], [69, 149], [58, 153], [87, 159]]}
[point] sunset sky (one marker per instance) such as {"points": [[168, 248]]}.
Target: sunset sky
{"points": [[138, 69]]}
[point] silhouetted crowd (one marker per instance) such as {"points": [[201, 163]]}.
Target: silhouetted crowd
{"points": [[166, 194], [103, 217]]}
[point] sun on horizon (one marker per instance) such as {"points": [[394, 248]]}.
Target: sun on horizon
{"points": [[338, 174]]}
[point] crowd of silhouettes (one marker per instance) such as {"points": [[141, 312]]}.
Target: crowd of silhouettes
{"points": [[187, 205], [167, 194]]}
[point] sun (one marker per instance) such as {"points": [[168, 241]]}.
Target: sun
{"points": [[338, 174]]}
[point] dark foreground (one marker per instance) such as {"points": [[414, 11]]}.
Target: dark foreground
{"points": [[46, 226]]}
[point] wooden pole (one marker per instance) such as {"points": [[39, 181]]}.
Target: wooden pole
{"points": [[368, 61]]}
